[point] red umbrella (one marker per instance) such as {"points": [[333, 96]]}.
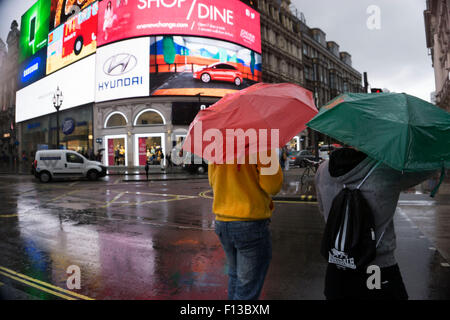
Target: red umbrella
{"points": [[259, 118]]}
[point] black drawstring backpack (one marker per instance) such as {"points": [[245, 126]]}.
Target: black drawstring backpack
{"points": [[349, 239]]}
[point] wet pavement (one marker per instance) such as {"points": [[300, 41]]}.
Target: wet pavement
{"points": [[156, 240]]}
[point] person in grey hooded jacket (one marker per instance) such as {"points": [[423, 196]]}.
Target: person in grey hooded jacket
{"points": [[381, 190]]}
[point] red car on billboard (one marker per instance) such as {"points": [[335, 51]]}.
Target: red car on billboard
{"points": [[80, 31], [219, 72]]}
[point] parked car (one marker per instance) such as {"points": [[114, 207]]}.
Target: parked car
{"points": [[193, 163], [219, 72], [325, 150], [298, 158], [53, 164]]}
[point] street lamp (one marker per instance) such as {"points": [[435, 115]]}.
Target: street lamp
{"points": [[57, 102]]}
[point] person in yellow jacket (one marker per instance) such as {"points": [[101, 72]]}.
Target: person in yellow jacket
{"points": [[243, 207]]}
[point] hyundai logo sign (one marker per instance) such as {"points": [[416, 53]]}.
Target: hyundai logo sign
{"points": [[119, 64]]}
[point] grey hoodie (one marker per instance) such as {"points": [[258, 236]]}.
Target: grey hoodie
{"points": [[381, 190]]}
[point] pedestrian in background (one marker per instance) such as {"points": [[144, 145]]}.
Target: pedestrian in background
{"points": [[348, 167], [283, 157], [243, 208], [286, 162]]}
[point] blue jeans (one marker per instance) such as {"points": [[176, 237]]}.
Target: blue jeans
{"points": [[248, 247]]}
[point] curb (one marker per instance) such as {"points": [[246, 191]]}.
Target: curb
{"points": [[17, 173], [303, 197], [165, 179], [140, 173]]}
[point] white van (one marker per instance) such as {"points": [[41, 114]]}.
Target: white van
{"points": [[51, 164]]}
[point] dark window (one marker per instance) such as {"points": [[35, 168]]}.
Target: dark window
{"points": [[116, 120], [225, 67], [73, 158], [149, 117], [184, 112]]}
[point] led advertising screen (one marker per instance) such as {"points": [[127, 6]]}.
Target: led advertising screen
{"points": [[34, 29], [63, 10], [122, 70], [77, 83], [184, 65], [73, 40], [32, 69], [229, 20]]}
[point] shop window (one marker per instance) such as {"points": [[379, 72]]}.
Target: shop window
{"points": [[149, 118], [116, 120]]}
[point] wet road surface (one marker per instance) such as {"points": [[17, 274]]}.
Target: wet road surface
{"points": [[156, 240]]}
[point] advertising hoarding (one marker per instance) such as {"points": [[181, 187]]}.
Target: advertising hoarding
{"points": [[229, 20], [75, 39], [34, 29], [77, 83], [185, 65], [32, 69], [63, 10], [122, 70]]}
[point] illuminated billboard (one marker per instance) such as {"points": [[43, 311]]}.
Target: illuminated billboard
{"points": [[122, 70], [34, 29], [63, 10], [229, 20], [76, 82], [73, 40], [188, 66], [32, 69]]}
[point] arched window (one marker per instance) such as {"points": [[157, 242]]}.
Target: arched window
{"points": [[116, 119], [149, 117]]}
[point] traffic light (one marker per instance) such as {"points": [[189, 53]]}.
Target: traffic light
{"points": [[376, 90]]}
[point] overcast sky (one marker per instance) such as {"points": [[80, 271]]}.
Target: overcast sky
{"points": [[12, 10], [395, 56]]}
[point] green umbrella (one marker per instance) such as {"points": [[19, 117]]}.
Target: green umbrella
{"points": [[402, 131]]}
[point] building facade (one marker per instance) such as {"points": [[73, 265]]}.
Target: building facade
{"points": [[98, 116], [281, 42], [294, 52], [328, 71], [126, 126], [437, 30], [8, 88]]}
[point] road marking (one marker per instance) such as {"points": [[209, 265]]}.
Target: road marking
{"points": [[108, 203], [177, 198], [73, 183], [417, 202], [117, 181], [8, 215], [39, 285], [63, 195], [203, 194], [289, 201]]}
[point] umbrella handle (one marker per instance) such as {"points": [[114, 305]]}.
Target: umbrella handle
{"points": [[433, 193]]}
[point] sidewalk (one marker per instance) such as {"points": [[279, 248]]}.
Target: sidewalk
{"points": [[293, 190], [131, 174]]}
